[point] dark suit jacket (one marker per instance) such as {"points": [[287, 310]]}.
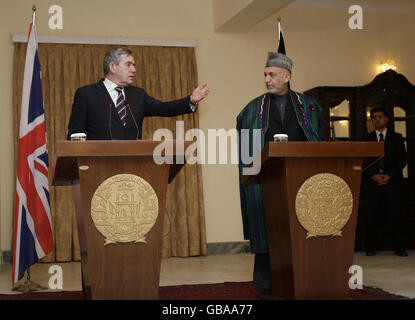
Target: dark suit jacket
{"points": [[93, 110], [394, 159], [290, 124]]}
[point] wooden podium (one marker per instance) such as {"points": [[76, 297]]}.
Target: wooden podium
{"points": [[316, 267], [121, 270]]}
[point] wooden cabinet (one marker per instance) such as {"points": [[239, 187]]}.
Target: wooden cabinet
{"points": [[346, 112]]}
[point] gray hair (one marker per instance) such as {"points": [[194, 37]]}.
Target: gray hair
{"points": [[114, 56]]}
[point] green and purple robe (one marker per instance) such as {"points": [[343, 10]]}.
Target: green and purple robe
{"points": [[256, 116]]}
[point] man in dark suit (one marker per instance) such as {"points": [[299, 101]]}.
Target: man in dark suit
{"points": [[112, 109], [383, 181]]}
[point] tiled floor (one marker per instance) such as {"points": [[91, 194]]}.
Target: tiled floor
{"points": [[385, 270]]}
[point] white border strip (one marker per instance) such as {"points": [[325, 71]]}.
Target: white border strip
{"points": [[110, 40]]}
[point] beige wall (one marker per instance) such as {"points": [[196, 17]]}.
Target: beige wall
{"points": [[324, 50], [225, 10]]}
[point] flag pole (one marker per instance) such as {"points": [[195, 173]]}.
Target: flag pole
{"points": [[29, 285], [33, 15], [281, 38], [279, 27]]}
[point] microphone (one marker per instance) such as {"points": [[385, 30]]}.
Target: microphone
{"points": [[109, 119], [127, 105]]}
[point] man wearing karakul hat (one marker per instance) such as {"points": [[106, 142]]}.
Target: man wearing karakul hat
{"points": [[279, 111]]}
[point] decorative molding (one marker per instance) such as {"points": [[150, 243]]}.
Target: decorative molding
{"points": [[366, 5], [110, 40], [228, 247], [6, 257]]}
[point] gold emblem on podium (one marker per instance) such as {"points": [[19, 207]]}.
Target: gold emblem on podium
{"points": [[124, 208], [323, 205]]}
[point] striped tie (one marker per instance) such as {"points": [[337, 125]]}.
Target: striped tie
{"points": [[120, 107]]}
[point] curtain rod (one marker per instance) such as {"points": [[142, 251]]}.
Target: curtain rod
{"points": [[109, 40]]}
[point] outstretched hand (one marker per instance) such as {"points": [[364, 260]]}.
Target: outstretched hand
{"points": [[199, 93]]}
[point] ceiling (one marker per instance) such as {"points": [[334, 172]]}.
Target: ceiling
{"points": [[380, 5], [241, 15]]}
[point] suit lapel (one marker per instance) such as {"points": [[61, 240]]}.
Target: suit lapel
{"points": [[265, 112], [388, 140], [103, 93], [373, 136], [296, 101], [299, 113]]}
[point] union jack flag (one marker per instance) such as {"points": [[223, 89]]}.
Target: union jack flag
{"points": [[32, 220]]}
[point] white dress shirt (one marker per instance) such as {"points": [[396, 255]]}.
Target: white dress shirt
{"points": [[110, 86]]}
